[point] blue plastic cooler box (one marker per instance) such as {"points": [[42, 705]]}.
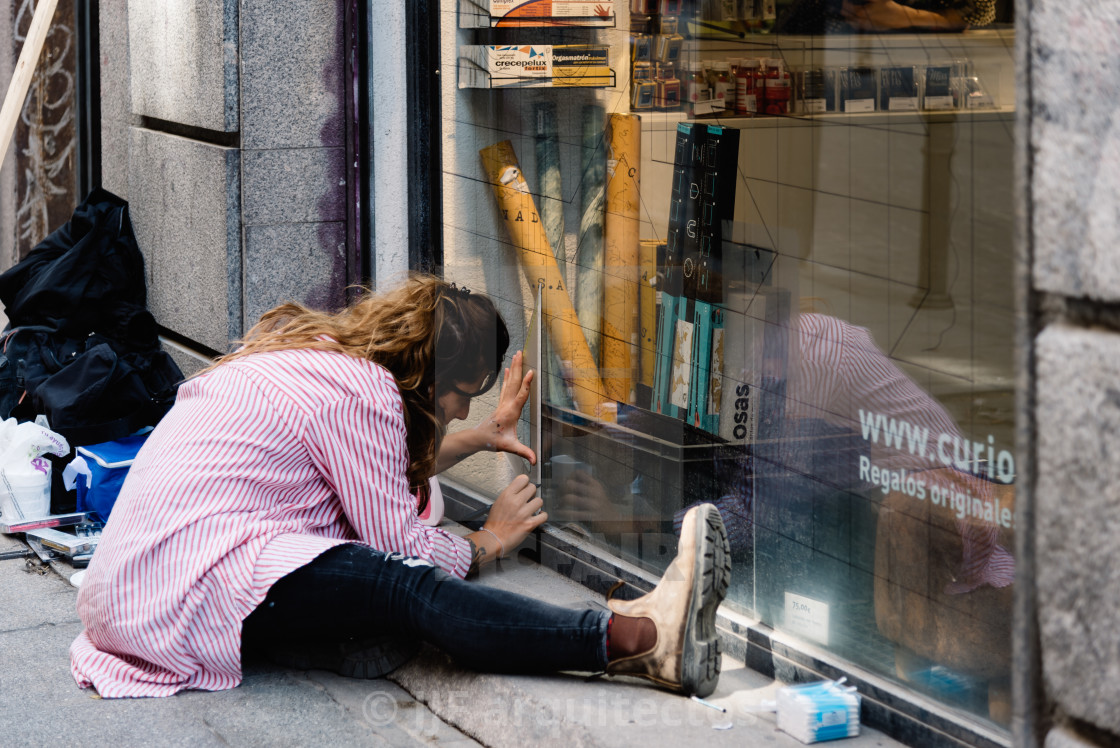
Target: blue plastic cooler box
{"points": [[108, 464]]}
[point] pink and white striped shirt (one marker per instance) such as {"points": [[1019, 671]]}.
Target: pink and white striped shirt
{"points": [[262, 465]]}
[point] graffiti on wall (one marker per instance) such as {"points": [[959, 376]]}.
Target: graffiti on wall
{"points": [[46, 135]]}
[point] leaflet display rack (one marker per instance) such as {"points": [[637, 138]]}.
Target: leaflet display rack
{"points": [[535, 66]]}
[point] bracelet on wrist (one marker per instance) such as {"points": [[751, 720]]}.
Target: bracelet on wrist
{"points": [[501, 545]]}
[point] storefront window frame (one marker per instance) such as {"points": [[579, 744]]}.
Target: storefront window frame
{"points": [[888, 706]]}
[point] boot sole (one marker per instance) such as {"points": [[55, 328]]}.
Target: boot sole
{"points": [[701, 660]]}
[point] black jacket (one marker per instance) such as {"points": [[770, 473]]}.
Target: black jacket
{"points": [[81, 346]]}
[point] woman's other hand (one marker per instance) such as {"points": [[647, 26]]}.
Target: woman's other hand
{"points": [[513, 515]]}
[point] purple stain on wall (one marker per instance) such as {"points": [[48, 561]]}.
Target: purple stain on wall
{"points": [[354, 153], [338, 207]]}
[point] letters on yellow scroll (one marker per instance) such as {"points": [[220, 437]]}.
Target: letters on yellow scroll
{"points": [[539, 265]]}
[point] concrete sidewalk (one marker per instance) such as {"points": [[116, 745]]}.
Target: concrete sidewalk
{"points": [[428, 702]]}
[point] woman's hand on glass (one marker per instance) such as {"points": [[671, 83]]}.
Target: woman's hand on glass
{"points": [[499, 430]]}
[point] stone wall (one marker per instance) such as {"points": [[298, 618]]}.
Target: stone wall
{"points": [[1068, 663], [116, 106], [223, 124]]}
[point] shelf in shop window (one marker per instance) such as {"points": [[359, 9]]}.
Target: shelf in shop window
{"points": [[482, 79], [670, 119], [570, 65], [485, 14], [747, 38]]}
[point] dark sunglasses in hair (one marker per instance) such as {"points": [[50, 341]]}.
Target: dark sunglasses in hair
{"points": [[487, 385]]}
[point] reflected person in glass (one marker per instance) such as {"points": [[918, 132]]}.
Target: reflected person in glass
{"points": [[853, 427], [875, 16]]}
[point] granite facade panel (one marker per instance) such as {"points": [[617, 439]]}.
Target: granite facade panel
{"points": [[1075, 133], [293, 185], [291, 73], [184, 61], [301, 262], [116, 100], [1077, 507], [186, 211], [1063, 738]]}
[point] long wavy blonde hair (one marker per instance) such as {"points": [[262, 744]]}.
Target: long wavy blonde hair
{"points": [[430, 335]]}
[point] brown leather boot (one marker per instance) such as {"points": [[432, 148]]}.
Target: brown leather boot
{"points": [[686, 657]]}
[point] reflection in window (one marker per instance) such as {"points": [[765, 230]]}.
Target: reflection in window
{"points": [[819, 338]]}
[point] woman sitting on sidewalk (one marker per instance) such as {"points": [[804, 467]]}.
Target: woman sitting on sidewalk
{"points": [[275, 507]]}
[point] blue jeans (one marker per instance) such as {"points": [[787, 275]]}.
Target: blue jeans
{"points": [[354, 592]]}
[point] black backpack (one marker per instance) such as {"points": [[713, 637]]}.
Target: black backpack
{"points": [[81, 346]]}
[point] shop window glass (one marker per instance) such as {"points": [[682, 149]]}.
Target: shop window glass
{"points": [[773, 247]]}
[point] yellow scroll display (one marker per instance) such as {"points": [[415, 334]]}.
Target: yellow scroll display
{"points": [[539, 265], [647, 309], [620, 237]]}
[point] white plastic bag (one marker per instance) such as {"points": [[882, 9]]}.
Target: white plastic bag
{"points": [[25, 475]]}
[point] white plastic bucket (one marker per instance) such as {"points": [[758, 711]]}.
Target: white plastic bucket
{"points": [[25, 494]]}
